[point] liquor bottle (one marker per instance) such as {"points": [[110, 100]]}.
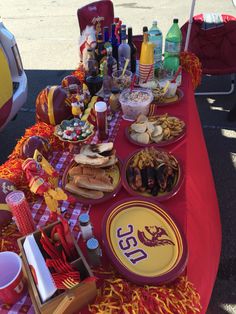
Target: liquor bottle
{"points": [[111, 62], [118, 23], [106, 86], [155, 36], [133, 50], [146, 63], [114, 42], [173, 40], [124, 51], [91, 63], [94, 83], [106, 36], [100, 51]]}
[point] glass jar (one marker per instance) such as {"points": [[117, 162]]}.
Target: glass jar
{"points": [[85, 226], [94, 252], [114, 99]]}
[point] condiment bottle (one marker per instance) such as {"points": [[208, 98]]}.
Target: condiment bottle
{"points": [[101, 112], [94, 252], [75, 107], [114, 99], [85, 226]]}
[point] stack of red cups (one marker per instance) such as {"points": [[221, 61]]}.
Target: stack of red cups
{"points": [[21, 212]]}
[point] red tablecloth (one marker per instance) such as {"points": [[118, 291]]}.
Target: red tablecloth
{"points": [[194, 207]]}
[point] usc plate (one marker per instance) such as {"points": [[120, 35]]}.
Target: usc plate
{"points": [[144, 242]]}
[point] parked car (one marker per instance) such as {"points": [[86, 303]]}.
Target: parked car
{"points": [[13, 80]]}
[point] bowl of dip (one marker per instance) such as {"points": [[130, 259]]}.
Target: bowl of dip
{"points": [[135, 102]]}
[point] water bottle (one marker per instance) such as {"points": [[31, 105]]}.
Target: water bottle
{"points": [[155, 37]]}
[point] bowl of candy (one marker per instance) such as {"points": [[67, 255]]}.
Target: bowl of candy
{"points": [[135, 102], [74, 130], [121, 80]]}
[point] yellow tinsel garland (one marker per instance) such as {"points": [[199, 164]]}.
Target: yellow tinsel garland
{"points": [[118, 296]]}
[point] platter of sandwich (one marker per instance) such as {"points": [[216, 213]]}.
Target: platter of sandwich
{"points": [[94, 175]]}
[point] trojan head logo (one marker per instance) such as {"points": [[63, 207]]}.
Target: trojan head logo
{"points": [[153, 236], [19, 287]]}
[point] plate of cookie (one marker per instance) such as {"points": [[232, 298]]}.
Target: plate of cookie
{"points": [[159, 130]]}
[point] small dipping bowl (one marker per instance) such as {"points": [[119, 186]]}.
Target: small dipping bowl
{"points": [[136, 102], [121, 81], [172, 88]]}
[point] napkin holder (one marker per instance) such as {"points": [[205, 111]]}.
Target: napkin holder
{"points": [[68, 301]]}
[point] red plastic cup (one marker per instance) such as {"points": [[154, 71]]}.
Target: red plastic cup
{"points": [[12, 282]]}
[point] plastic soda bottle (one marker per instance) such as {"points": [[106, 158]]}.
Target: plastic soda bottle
{"points": [[171, 65], [173, 40], [155, 37], [172, 50]]}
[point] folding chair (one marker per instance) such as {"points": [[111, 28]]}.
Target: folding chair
{"points": [[98, 13], [213, 40]]}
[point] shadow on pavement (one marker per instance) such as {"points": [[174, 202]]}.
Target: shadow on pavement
{"points": [[220, 136]]}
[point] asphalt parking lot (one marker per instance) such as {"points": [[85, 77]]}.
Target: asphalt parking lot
{"points": [[47, 35]]}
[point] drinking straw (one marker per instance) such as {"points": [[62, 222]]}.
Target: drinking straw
{"points": [[166, 87], [125, 67], [176, 74], [150, 70], [132, 83]]}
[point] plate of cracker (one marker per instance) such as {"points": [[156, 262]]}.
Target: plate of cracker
{"points": [[94, 175], [160, 130], [162, 100]]}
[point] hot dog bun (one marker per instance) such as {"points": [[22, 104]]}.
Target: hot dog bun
{"points": [[72, 188], [91, 183], [84, 170], [96, 150]]}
